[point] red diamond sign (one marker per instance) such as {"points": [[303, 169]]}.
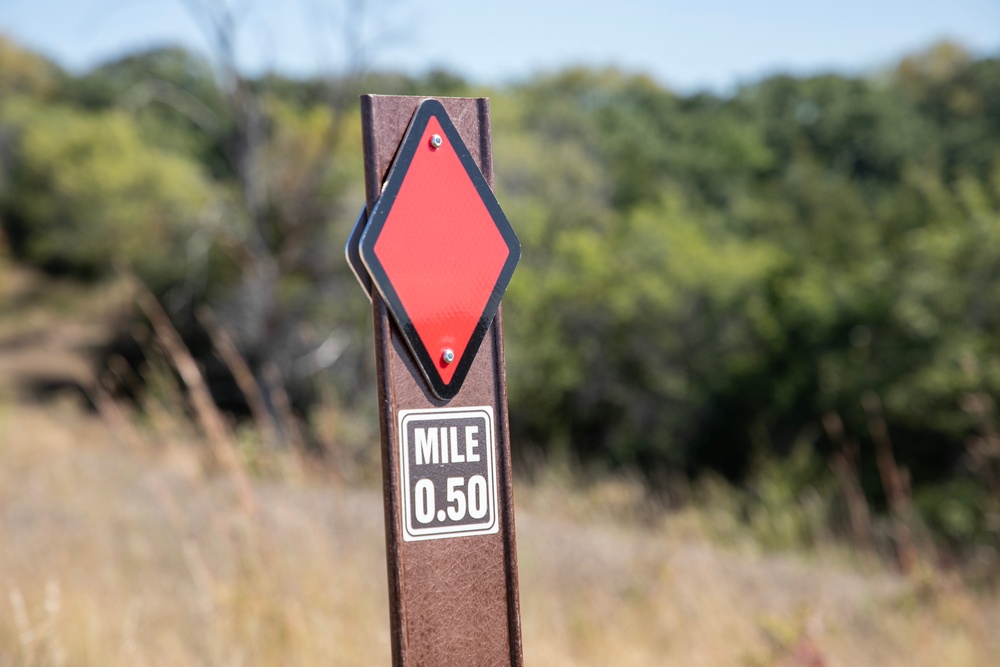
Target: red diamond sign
{"points": [[439, 249]]}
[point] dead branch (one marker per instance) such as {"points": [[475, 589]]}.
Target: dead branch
{"points": [[844, 466], [283, 406], [207, 414], [244, 377], [896, 488]]}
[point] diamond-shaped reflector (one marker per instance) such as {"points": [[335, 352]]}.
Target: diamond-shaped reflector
{"points": [[439, 249]]}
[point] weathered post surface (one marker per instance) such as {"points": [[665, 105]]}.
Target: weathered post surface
{"points": [[435, 253]]}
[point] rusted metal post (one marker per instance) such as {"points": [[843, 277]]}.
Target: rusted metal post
{"points": [[453, 590]]}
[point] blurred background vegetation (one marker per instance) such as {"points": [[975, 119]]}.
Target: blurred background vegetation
{"points": [[787, 296]]}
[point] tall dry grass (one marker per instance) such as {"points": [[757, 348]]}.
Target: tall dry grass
{"points": [[120, 546], [113, 555]]}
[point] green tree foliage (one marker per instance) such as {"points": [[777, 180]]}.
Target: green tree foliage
{"points": [[704, 276], [26, 73], [171, 94], [85, 190]]}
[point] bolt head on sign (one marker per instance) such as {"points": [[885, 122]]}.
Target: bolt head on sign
{"points": [[439, 249]]}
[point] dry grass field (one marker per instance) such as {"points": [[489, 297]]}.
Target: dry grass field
{"points": [[121, 545]]}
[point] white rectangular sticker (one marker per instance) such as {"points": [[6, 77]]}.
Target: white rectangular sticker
{"points": [[448, 472]]}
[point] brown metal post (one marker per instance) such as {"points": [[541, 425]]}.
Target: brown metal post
{"points": [[452, 601]]}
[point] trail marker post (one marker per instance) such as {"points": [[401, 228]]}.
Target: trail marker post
{"points": [[435, 253]]}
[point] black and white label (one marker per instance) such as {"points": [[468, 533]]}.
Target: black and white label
{"points": [[448, 471]]}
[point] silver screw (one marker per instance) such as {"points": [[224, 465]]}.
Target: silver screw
{"points": [[436, 141], [447, 353]]}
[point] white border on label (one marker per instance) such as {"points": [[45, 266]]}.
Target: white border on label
{"points": [[411, 534]]}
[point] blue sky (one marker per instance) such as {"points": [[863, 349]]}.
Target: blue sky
{"points": [[686, 45]]}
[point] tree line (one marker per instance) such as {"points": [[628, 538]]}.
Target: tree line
{"points": [[708, 281]]}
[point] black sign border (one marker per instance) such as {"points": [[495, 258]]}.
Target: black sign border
{"points": [[352, 251], [376, 221]]}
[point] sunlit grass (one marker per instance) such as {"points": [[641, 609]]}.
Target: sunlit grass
{"points": [[119, 545], [112, 557], [137, 557]]}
